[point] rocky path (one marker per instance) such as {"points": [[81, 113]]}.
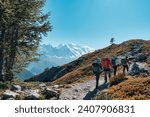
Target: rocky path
{"points": [[82, 91], [85, 90]]}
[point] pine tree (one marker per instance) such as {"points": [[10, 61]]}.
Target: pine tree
{"points": [[22, 25], [112, 40]]}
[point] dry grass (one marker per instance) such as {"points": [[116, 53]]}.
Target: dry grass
{"points": [[117, 79], [134, 88], [104, 95], [83, 72], [68, 78]]}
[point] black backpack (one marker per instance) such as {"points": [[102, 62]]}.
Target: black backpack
{"points": [[124, 62], [113, 62], [97, 68]]}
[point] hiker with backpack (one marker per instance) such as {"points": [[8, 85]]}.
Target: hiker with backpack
{"points": [[97, 70], [125, 63], [114, 64], [107, 66]]}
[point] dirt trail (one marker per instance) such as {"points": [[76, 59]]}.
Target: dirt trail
{"points": [[83, 91]]}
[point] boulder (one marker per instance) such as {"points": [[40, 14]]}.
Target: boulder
{"points": [[56, 86], [24, 88], [141, 58], [50, 93], [15, 88], [144, 72], [42, 86], [9, 95], [32, 95], [135, 70]]}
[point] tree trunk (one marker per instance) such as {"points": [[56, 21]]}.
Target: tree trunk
{"points": [[1, 53]]}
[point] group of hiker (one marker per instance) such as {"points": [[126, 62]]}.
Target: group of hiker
{"points": [[107, 65]]}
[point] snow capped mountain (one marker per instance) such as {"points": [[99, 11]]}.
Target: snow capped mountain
{"points": [[64, 50], [54, 56]]}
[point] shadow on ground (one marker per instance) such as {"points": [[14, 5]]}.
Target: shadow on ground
{"points": [[93, 93]]}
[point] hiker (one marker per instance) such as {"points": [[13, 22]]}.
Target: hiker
{"points": [[97, 70], [114, 64], [125, 63], [107, 66]]}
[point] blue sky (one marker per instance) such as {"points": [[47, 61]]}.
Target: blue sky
{"points": [[94, 22]]}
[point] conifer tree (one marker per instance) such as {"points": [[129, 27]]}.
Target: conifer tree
{"points": [[112, 40], [22, 25]]}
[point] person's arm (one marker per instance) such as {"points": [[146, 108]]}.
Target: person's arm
{"points": [[128, 62], [110, 65]]}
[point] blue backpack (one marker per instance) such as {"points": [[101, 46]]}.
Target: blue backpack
{"points": [[97, 68], [113, 62]]}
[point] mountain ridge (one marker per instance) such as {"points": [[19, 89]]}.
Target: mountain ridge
{"points": [[81, 67], [54, 56]]}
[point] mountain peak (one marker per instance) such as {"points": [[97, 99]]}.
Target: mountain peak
{"points": [[70, 50], [55, 55]]}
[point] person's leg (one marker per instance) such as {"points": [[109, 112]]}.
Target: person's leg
{"points": [[97, 80], [124, 70], [115, 70], [127, 68], [105, 76], [109, 73]]}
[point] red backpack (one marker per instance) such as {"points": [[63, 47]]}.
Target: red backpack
{"points": [[106, 63]]}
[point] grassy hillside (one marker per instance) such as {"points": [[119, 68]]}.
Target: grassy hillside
{"points": [[130, 88], [80, 69]]}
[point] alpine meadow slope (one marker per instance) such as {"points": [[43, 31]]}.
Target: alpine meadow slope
{"points": [[80, 69]]}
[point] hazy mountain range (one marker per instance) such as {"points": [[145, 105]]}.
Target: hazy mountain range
{"points": [[54, 56]]}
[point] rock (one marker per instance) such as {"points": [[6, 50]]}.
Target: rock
{"points": [[42, 86], [74, 97], [32, 95], [9, 94], [25, 88], [61, 85], [76, 90], [144, 72], [54, 98], [135, 70], [15, 88], [49, 93], [10, 99], [141, 58], [86, 89], [144, 75], [138, 69], [56, 86]]}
